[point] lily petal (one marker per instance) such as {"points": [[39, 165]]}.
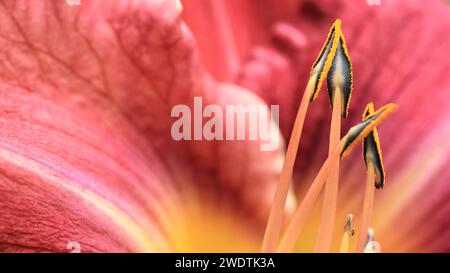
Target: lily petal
{"points": [[86, 153], [232, 27]]}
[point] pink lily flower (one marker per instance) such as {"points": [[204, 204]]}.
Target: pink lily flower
{"points": [[86, 158]]}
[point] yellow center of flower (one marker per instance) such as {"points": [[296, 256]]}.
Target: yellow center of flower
{"points": [[212, 228]]}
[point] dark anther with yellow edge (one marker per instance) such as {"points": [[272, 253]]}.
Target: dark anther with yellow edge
{"points": [[341, 76], [322, 65], [372, 150], [361, 130]]}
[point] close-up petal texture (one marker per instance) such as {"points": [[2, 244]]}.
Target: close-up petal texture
{"points": [[86, 152]]}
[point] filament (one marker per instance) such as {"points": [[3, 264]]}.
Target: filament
{"points": [[367, 206], [275, 221], [327, 219], [299, 219]]}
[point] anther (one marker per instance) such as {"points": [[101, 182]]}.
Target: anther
{"points": [[322, 65], [348, 227]]}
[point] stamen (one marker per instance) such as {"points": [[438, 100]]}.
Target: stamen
{"points": [[348, 232], [358, 132], [375, 175], [355, 134], [339, 89], [319, 70], [371, 245]]}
